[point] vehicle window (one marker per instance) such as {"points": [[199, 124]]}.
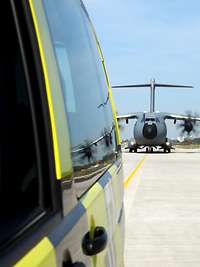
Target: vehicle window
{"points": [[85, 89], [19, 183]]}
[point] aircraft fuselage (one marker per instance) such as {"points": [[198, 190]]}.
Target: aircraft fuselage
{"points": [[150, 130]]}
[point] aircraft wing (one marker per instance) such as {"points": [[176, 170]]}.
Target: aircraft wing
{"points": [[128, 116], [171, 116]]}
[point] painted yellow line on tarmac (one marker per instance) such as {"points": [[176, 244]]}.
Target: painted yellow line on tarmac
{"points": [[128, 179]]}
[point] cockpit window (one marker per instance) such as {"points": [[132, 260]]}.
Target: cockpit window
{"points": [[150, 119]]}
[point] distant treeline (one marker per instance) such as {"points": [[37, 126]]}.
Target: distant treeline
{"points": [[187, 143]]}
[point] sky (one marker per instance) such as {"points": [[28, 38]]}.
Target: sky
{"points": [[143, 39]]}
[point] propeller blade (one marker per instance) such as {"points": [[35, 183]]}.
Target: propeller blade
{"points": [[190, 124]]}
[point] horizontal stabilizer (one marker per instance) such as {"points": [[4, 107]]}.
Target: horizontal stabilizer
{"points": [[172, 85], [132, 85], [152, 85], [155, 85]]}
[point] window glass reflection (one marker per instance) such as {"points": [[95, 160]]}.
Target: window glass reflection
{"points": [[84, 89]]}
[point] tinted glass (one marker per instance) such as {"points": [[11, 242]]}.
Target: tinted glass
{"points": [[19, 183], [84, 88]]}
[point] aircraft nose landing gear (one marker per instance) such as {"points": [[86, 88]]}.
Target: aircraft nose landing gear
{"points": [[149, 149]]}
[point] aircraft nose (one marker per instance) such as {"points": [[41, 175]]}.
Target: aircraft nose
{"points": [[150, 131]]}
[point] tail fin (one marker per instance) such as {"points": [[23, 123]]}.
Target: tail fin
{"points": [[152, 86]]}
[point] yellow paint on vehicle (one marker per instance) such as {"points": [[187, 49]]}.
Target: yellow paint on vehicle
{"points": [[128, 179], [110, 96], [119, 247], [116, 187], [112, 169], [54, 95], [94, 203], [109, 88], [112, 105], [91, 195], [42, 255], [57, 160], [92, 227]]}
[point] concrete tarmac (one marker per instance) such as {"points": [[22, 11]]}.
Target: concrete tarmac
{"points": [[162, 209]]}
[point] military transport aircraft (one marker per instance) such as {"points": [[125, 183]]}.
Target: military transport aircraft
{"points": [[150, 129]]}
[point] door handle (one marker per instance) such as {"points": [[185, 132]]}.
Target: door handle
{"points": [[93, 246]]}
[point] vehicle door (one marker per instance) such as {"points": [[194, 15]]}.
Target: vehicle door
{"points": [[96, 160], [81, 154]]}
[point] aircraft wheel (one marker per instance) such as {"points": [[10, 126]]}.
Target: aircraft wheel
{"points": [[169, 150], [165, 150], [147, 150], [151, 149], [130, 150], [135, 150]]}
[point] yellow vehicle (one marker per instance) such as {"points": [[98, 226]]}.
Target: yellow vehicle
{"points": [[61, 184]]}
